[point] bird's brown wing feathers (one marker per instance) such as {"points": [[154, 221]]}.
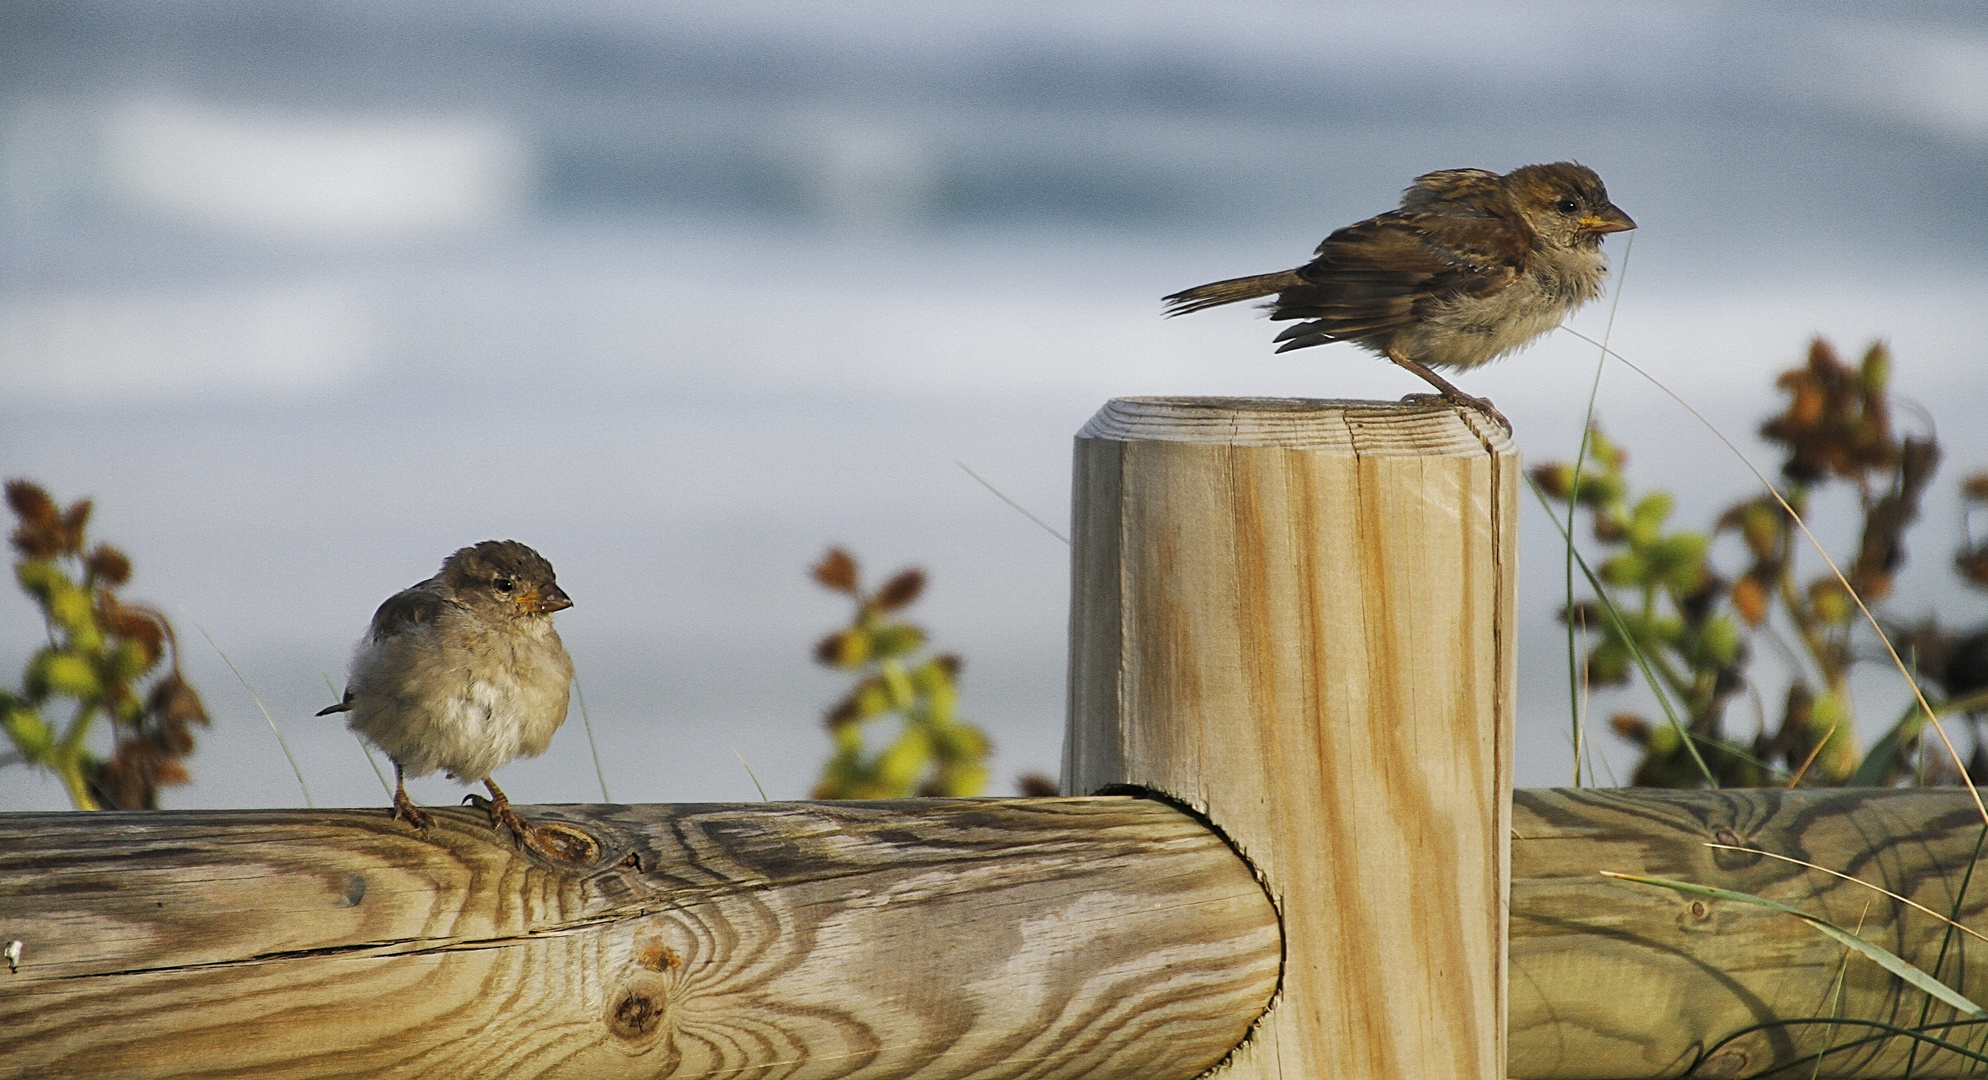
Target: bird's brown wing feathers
{"points": [[416, 606], [1377, 276], [1454, 188]]}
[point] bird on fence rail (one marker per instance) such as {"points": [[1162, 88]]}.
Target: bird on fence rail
{"points": [[463, 672], [1471, 267]]}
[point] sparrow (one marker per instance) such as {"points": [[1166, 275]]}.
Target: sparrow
{"points": [[1471, 267], [463, 672]]}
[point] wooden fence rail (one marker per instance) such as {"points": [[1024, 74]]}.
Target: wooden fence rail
{"points": [[1611, 979], [1293, 620], [1102, 937], [1039, 939]]}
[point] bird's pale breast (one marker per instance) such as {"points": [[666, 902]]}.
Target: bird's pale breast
{"points": [[1470, 331], [461, 697]]}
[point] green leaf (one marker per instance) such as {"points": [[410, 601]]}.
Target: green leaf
{"points": [[872, 700], [38, 577], [899, 685], [62, 673], [1646, 522], [1887, 760], [1887, 960], [1664, 630], [1625, 569], [1720, 641], [72, 608], [26, 727], [898, 766], [1603, 490], [129, 660], [896, 639]]}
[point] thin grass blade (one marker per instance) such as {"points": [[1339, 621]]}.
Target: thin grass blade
{"points": [[1883, 958]]}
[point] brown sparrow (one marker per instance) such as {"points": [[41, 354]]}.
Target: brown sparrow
{"points": [[1473, 266], [463, 672]]}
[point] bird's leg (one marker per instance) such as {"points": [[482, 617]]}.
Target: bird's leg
{"points": [[404, 808], [1451, 393], [499, 809]]}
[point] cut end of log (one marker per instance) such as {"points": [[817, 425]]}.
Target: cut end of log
{"points": [[1419, 428]]}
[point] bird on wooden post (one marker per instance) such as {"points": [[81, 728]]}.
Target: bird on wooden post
{"points": [[1473, 266], [463, 672]]}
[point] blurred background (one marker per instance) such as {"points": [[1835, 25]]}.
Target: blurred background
{"points": [[307, 295]]}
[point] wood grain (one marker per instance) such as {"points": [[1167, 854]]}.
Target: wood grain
{"points": [[1613, 979], [1296, 616], [934, 939], [1039, 938]]}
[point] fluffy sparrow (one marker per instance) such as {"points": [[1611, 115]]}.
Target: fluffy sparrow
{"points": [[1473, 266], [463, 672]]}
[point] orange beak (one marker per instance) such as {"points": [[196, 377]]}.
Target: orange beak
{"points": [[545, 601], [1608, 221]]}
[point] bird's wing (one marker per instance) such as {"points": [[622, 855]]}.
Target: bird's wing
{"points": [[1379, 275], [409, 609], [1454, 188]]}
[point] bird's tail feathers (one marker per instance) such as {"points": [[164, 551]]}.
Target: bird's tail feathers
{"points": [[343, 706], [1217, 293]]}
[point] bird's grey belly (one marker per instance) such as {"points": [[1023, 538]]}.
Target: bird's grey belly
{"points": [[429, 713], [1476, 330]]}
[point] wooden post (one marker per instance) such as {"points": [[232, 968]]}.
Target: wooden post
{"points": [[1296, 617]]}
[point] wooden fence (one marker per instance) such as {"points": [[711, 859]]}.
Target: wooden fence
{"points": [[1291, 658]]}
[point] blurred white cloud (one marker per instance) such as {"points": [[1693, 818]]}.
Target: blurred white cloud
{"points": [[219, 338], [1933, 79], [306, 175], [864, 176]]}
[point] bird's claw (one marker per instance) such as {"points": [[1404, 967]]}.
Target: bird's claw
{"points": [[405, 810], [1461, 400], [1484, 406], [501, 813]]}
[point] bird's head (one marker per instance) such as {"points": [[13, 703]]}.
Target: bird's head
{"points": [[1565, 204], [506, 577]]}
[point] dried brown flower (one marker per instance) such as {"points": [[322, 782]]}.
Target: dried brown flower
{"points": [[39, 535], [837, 570], [1750, 599], [899, 591], [1631, 727], [1037, 786], [108, 566], [1837, 421]]}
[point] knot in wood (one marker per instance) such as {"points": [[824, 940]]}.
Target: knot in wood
{"points": [[637, 1010], [1732, 1061], [1732, 860], [566, 843]]}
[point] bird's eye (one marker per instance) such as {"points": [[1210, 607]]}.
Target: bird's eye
{"points": [[1566, 206], [503, 584]]}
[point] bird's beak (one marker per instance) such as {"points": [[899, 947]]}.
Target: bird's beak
{"points": [[545, 601], [1608, 221]]}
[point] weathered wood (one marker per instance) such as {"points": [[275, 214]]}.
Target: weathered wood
{"points": [[1296, 617], [1612, 979], [921, 939]]}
